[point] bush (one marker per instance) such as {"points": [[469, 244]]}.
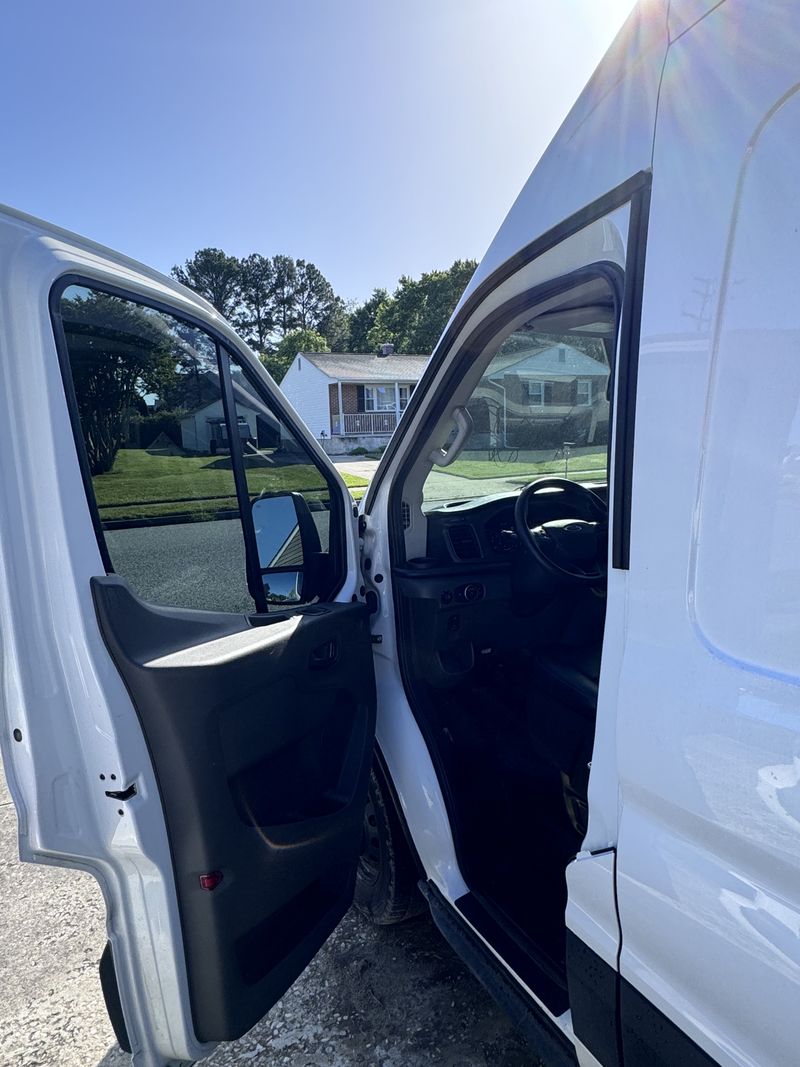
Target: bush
{"points": [[144, 429], [359, 450]]}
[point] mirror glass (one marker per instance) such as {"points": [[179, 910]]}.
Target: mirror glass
{"points": [[283, 587], [279, 545], [277, 532]]}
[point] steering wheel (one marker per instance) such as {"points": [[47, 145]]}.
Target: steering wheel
{"points": [[571, 548]]}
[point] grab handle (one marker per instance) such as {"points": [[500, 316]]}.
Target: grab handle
{"points": [[463, 422]]}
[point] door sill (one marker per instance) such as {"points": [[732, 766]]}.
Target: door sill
{"points": [[537, 972], [545, 1037]]}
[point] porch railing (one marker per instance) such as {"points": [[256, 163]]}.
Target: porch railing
{"points": [[369, 423]]}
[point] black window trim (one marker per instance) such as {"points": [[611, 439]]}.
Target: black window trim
{"points": [[635, 191], [223, 344]]}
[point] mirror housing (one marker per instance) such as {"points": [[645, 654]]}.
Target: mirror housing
{"points": [[288, 546]]}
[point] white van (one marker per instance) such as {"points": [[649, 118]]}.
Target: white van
{"points": [[200, 651]]}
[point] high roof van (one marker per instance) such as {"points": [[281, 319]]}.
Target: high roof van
{"points": [[543, 680]]}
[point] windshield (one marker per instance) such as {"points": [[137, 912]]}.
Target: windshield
{"points": [[540, 408]]}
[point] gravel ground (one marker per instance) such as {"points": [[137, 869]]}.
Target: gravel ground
{"points": [[392, 996]]}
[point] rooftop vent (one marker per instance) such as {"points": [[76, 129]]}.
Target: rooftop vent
{"points": [[386, 350]]}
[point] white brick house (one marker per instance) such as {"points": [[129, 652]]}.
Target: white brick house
{"points": [[349, 399]]}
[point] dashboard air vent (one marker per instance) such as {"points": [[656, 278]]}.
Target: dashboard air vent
{"points": [[464, 542]]}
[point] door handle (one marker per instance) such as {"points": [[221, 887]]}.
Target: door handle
{"points": [[324, 655]]}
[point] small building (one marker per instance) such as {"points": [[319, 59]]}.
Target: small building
{"points": [[350, 399], [203, 428]]}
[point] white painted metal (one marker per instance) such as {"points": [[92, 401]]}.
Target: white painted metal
{"points": [[58, 686], [708, 722], [591, 908]]}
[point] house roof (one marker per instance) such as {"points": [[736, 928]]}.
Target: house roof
{"points": [[367, 367], [548, 361]]}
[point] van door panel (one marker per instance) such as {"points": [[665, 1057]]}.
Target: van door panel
{"points": [[708, 719], [261, 740]]}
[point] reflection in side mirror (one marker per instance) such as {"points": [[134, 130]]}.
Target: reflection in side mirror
{"points": [[283, 587], [280, 545], [277, 531]]}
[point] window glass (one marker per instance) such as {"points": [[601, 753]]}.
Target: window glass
{"points": [[378, 398], [148, 396], [541, 406], [289, 497]]}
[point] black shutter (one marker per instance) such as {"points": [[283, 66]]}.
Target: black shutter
{"points": [[360, 398]]}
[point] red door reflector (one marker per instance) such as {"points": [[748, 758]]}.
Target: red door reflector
{"points": [[210, 881]]}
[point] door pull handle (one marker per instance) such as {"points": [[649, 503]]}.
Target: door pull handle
{"points": [[325, 655]]}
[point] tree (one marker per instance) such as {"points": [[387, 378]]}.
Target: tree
{"points": [[256, 316], [282, 293], [362, 320], [215, 276], [119, 352], [414, 317], [279, 361], [313, 295], [335, 327]]}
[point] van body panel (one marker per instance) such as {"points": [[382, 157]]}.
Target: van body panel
{"points": [[708, 743], [606, 138]]}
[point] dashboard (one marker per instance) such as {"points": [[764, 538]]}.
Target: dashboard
{"points": [[468, 595], [483, 529]]}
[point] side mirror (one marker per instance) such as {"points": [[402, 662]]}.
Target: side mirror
{"points": [[288, 546]]}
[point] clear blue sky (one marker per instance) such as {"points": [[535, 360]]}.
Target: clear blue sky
{"points": [[373, 137]]}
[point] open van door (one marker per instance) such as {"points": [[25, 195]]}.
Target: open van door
{"points": [[188, 699]]}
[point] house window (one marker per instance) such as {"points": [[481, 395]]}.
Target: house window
{"points": [[536, 394], [378, 398], [404, 393], [583, 395]]}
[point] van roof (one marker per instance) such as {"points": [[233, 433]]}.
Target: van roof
{"points": [[606, 138]]}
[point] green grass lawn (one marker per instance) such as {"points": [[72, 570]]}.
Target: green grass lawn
{"points": [[144, 485], [580, 460]]}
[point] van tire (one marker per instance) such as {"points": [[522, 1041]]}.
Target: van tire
{"points": [[386, 878]]}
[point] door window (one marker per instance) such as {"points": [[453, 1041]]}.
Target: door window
{"points": [[173, 517], [289, 498]]}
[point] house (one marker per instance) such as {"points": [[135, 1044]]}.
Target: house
{"points": [[350, 399], [203, 428], [540, 397]]}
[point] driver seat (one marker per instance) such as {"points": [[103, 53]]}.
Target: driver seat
{"points": [[561, 719]]}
